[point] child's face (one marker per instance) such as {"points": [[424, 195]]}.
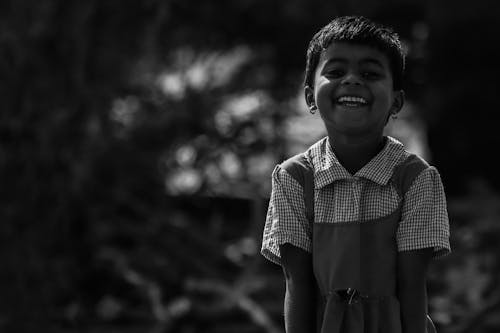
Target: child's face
{"points": [[353, 90]]}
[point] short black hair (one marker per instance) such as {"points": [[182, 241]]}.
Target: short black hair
{"points": [[357, 30]]}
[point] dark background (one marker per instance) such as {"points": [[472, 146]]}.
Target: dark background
{"points": [[137, 140]]}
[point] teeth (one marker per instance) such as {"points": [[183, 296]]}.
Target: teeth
{"points": [[352, 99]]}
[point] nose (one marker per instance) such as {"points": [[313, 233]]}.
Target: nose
{"points": [[351, 78]]}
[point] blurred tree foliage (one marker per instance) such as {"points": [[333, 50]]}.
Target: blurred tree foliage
{"points": [[138, 138], [460, 97]]}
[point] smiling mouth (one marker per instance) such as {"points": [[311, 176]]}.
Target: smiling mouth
{"points": [[351, 101]]}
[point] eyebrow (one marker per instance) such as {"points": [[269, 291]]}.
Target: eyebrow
{"points": [[368, 60], [372, 61]]}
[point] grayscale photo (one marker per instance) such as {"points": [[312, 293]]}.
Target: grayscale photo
{"points": [[249, 166]]}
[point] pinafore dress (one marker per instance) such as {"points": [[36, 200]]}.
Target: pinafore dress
{"points": [[355, 263]]}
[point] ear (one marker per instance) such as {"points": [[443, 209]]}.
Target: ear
{"points": [[398, 102], [309, 95]]}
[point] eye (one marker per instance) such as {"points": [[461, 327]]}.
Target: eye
{"points": [[371, 75], [334, 73]]}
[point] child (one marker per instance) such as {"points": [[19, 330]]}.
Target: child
{"points": [[355, 246]]}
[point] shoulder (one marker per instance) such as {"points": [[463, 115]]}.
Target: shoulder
{"points": [[297, 165], [288, 176], [414, 170], [296, 162], [408, 168], [412, 164]]}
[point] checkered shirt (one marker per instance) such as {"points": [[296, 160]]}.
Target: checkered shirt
{"points": [[366, 196]]}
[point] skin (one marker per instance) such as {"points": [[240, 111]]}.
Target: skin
{"points": [[356, 134], [300, 294], [412, 293]]}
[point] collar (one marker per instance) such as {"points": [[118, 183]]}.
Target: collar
{"points": [[327, 168]]}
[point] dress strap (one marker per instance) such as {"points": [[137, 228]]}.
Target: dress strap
{"points": [[301, 170], [406, 172]]}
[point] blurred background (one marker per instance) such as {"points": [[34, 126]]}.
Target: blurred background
{"points": [[138, 139]]}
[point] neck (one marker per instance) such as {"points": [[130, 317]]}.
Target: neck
{"points": [[355, 154]]}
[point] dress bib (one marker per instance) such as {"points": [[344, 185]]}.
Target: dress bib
{"points": [[355, 268]]}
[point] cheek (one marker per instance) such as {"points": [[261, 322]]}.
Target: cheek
{"points": [[384, 98], [384, 102], [324, 93]]}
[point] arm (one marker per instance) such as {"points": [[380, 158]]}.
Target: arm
{"points": [[287, 242], [423, 234], [412, 294], [300, 296]]}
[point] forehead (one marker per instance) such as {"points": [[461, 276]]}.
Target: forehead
{"points": [[344, 52]]}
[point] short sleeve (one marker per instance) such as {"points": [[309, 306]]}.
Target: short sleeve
{"points": [[286, 220], [424, 221]]}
